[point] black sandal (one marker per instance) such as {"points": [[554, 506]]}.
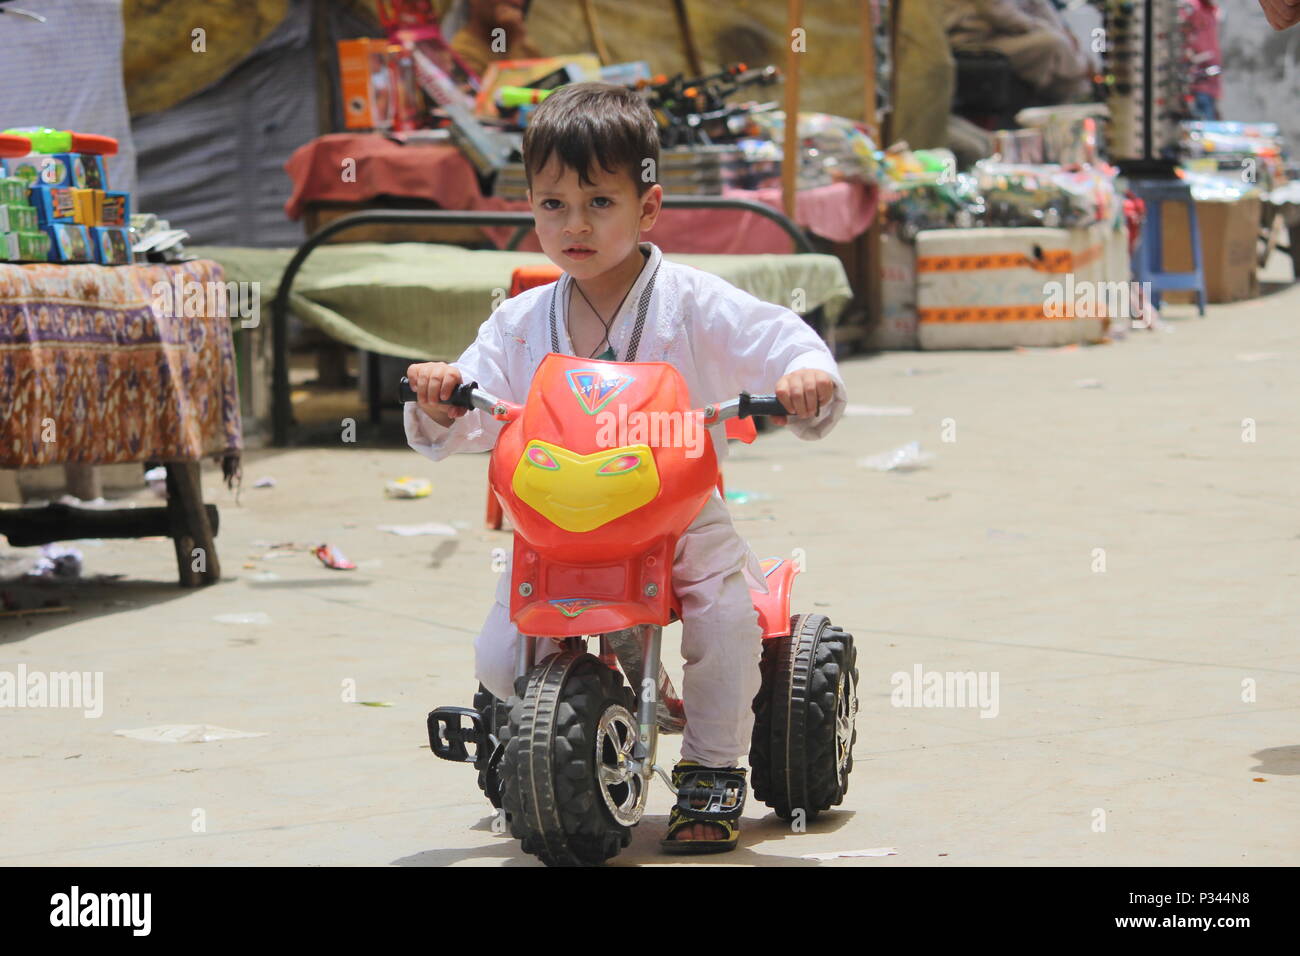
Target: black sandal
{"points": [[706, 795]]}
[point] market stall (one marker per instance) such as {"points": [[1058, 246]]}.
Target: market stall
{"points": [[1080, 220], [105, 361], [425, 129], [95, 374]]}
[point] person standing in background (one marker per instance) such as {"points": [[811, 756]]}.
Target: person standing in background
{"points": [[494, 31], [1201, 25], [1031, 35]]}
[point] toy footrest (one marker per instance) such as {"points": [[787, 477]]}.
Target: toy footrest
{"points": [[449, 737]]}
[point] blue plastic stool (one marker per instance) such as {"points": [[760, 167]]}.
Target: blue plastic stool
{"points": [[1148, 258]]}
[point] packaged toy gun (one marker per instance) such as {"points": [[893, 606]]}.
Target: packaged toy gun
{"points": [[695, 111], [510, 97], [59, 158], [44, 140]]}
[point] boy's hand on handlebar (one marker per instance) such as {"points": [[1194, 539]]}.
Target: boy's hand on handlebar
{"points": [[805, 391], [433, 383]]}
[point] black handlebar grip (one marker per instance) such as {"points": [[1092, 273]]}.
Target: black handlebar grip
{"points": [[460, 397], [760, 405]]}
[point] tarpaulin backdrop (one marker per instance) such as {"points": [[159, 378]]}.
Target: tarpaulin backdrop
{"points": [[66, 73]]}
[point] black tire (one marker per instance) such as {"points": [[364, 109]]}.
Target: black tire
{"points": [[797, 758], [495, 714], [549, 788]]}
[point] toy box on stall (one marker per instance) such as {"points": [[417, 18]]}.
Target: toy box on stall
{"points": [[53, 204], [69, 242], [24, 246], [366, 81], [38, 169], [68, 170], [113, 208], [998, 288], [13, 191], [21, 239], [17, 218], [112, 245], [85, 206], [541, 72]]}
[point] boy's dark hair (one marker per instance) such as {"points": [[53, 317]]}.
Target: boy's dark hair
{"points": [[600, 123]]}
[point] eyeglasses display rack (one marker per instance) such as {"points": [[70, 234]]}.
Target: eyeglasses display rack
{"points": [[1145, 74]]}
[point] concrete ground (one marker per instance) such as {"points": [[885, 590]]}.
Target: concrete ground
{"points": [[1100, 536]]}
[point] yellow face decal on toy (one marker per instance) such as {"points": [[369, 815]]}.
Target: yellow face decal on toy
{"points": [[582, 492]]}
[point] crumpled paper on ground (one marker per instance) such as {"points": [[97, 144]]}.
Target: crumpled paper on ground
{"points": [[185, 733]]}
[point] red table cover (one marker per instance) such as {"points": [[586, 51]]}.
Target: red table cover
{"points": [[357, 167]]}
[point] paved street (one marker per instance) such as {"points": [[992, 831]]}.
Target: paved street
{"points": [[1098, 537]]}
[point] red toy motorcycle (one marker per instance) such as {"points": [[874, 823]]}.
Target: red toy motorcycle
{"points": [[569, 758]]}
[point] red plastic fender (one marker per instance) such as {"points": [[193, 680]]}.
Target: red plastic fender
{"points": [[742, 429], [774, 607]]}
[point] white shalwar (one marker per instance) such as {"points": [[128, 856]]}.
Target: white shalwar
{"points": [[723, 341]]}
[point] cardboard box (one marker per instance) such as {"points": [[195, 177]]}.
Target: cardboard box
{"points": [[69, 243], [114, 208], [368, 95], [112, 245], [25, 246], [95, 172], [52, 169], [86, 206], [16, 218], [53, 204], [13, 191], [1229, 239], [69, 170]]}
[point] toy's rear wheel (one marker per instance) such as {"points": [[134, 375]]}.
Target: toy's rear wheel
{"points": [[802, 748], [565, 785]]}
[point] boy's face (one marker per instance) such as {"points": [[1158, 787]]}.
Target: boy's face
{"points": [[588, 230]]}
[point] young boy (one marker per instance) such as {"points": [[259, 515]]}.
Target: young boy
{"points": [[590, 154]]}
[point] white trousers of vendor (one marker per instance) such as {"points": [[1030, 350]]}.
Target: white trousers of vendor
{"points": [[713, 570]]}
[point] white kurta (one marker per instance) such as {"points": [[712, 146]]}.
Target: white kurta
{"points": [[723, 341]]}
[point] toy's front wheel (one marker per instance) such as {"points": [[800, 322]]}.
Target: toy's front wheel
{"points": [[566, 786], [802, 748]]}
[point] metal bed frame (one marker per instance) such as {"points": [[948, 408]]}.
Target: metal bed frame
{"points": [[281, 408]]}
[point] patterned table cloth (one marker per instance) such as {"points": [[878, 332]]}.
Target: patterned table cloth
{"points": [[99, 365]]}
